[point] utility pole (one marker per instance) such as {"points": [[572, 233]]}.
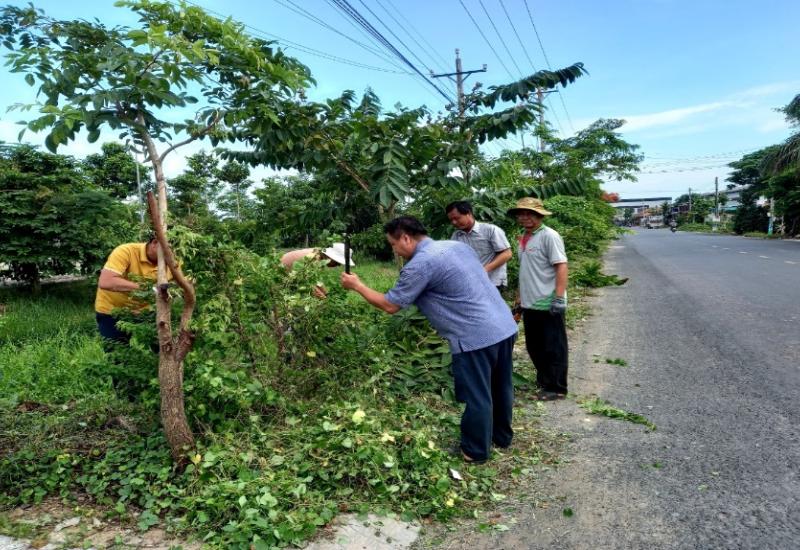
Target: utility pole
{"points": [[540, 100], [691, 218], [716, 196], [460, 77]]}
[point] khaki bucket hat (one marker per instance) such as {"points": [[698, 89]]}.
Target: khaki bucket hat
{"points": [[529, 203]]}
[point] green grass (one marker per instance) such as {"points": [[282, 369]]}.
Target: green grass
{"points": [[379, 275], [604, 408], [51, 370], [761, 235], [66, 306], [49, 345]]}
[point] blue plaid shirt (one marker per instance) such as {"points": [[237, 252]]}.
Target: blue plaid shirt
{"points": [[448, 284]]}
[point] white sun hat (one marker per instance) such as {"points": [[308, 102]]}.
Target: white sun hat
{"points": [[336, 253]]}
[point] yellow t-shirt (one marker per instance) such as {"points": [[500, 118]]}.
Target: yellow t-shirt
{"points": [[126, 259]]}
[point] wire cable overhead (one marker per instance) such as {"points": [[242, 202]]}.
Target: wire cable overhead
{"points": [[349, 10]]}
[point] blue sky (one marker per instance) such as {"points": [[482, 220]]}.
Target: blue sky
{"points": [[697, 81]]}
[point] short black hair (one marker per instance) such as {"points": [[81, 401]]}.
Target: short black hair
{"points": [[404, 224], [463, 207]]}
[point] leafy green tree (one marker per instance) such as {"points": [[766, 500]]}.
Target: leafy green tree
{"points": [[139, 81], [114, 169], [699, 207], [393, 156], [627, 216], [748, 173], [782, 165], [194, 192], [51, 212], [787, 155], [234, 202]]}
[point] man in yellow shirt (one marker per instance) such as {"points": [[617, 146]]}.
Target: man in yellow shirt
{"points": [[114, 287]]}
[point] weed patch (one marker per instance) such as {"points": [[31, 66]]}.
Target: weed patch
{"points": [[604, 408]]}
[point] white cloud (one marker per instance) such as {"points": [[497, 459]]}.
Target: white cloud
{"points": [[752, 106], [668, 118]]}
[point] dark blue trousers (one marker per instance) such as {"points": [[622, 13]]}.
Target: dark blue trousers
{"points": [[107, 327], [483, 382]]}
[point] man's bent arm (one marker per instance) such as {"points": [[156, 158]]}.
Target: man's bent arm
{"points": [[110, 280], [373, 297], [501, 258], [562, 274]]}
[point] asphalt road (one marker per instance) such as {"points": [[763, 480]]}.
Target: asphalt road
{"points": [[710, 329]]}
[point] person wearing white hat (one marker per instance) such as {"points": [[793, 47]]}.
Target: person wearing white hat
{"points": [[335, 255]]}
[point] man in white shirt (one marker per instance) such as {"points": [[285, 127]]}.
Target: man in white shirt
{"points": [[487, 240], [543, 280]]}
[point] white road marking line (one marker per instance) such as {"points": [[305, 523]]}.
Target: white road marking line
{"points": [[765, 257], [714, 246], [791, 262], [725, 248], [742, 252]]}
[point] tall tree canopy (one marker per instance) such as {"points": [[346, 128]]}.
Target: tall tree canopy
{"points": [[51, 214]]}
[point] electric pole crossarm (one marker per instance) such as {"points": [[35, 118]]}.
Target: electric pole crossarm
{"points": [[461, 76]]}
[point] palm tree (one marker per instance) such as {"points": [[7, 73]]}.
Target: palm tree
{"points": [[788, 155]]}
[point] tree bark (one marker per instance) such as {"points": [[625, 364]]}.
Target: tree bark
{"points": [[171, 353]]}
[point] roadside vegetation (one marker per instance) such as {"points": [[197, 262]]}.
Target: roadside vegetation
{"points": [[297, 408], [598, 406]]}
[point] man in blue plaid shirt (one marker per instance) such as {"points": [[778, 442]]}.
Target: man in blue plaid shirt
{"points": [[446, 281]]}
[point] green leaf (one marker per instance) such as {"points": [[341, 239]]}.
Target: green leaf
{"points": [[30, 80]]}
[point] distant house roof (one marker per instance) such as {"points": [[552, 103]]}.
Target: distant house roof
{"points": [[648, 202]]}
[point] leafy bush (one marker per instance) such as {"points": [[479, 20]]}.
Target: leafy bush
{"points": [[584, 224], [589, 274]]}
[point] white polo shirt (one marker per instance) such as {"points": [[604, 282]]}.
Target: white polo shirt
{"points": [[487, 240], [537, 272]]}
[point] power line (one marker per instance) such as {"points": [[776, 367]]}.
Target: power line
{"points": [[500, 36], [308, 15], [514, 27], [500, 59], [422, 37], [713, 155], [301, 47], [547, 62], [385, 26], [345, 6], [533, 65], [693, 169], [399, 24]]}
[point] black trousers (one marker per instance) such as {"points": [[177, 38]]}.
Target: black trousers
{"points": [[546, 342], [483, 381]]}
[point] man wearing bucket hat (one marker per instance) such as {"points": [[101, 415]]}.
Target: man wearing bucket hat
{"points": [[446, 281], [335, 255], [543, 297]]}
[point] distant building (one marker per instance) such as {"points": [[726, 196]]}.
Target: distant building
{"points": [[734, 198], [640, 204], [645, 211]]}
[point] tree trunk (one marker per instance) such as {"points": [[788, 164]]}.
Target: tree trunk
{"points": [[173, 416], [31, 274], [171, 353]]}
